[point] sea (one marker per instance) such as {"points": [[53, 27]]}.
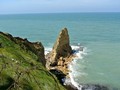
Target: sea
{"points": [[98, 33]]}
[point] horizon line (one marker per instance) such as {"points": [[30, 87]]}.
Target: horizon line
{"points": [[58, 12]]}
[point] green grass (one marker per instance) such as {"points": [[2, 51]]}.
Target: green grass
{"points": [[20, 70]]}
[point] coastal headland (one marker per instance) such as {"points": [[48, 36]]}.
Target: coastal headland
{"points": [[24, 66]]}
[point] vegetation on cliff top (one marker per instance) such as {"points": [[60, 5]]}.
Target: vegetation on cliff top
{"points": [[20, 68]]}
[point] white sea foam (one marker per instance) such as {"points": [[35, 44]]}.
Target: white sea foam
{"points": [[72, 75], [47, 50], [79, 52]]}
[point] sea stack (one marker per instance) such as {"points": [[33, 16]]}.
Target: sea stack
{"points": [[60, 51], [60, 56]]}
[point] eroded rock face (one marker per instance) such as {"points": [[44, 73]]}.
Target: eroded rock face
{"points": [[39, 50], [35, 47], [61, 48]]}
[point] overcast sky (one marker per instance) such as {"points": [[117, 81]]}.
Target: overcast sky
{"points": [[54, 6]]}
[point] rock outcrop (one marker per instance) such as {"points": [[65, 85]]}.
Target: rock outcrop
{"points": [[61, 49]]}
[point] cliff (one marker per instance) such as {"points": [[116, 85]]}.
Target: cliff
{"points": [[35, 47], [22, 65]]}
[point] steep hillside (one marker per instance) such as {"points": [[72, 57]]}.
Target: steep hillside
{"points": [[22, 67]]}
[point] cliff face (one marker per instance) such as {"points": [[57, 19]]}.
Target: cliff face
{"points": [[35, 47], [61, 48], [20, 68]]}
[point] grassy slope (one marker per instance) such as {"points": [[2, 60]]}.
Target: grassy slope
{"points": [[19, 69]]}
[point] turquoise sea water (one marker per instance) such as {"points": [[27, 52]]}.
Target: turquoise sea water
{"points": [[99, 32]]}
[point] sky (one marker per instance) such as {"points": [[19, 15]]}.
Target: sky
{"points": [[58, 6]]}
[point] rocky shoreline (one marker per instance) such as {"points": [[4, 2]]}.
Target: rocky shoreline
{"points": [[57, 61]]}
